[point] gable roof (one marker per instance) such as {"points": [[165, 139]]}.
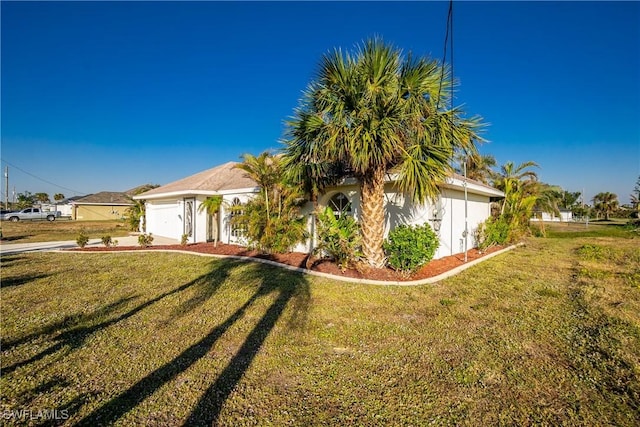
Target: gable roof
{"points": [[219, 179], [227, 178], [104, 198]]}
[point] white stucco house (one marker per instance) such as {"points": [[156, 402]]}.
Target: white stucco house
{"points": [[174, 209], [565, 216]]}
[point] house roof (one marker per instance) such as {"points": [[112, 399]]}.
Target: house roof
{"points": [[228, 178], [475, 186], [140, 189], [104, 198], [225, 177]]}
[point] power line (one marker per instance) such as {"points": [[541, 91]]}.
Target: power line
{"points": [[42, 179], [444, 55]]}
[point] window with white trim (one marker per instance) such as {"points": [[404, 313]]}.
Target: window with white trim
{"points": [[340, 205]]}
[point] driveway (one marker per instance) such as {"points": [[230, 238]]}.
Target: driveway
{"points": [[11, 248]]}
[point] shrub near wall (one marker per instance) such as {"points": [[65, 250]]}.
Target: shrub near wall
{"points": [[339, 238], [410, 247]]}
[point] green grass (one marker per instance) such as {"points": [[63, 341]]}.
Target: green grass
{"points": [[64, 229], [601, 228], [546, 334]]}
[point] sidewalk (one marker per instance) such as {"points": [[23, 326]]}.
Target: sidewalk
{"points": [[11, 248]]}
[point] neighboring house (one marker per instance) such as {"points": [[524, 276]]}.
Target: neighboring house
{"points": [[101, 206], [174, 209], [565, 216], [65, 207]]}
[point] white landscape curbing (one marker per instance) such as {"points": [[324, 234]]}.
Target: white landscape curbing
{"points": [[426, 281]]}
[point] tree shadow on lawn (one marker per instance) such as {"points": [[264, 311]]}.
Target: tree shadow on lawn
{"points": [[66, 322], [75, 337], [8, 259], [20, 280], [290, 288]]}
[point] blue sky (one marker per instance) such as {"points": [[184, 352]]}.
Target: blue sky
{"points": [[101, 96]]}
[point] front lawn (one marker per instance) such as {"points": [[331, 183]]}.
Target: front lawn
{"points": [[62, 229], [546, 334]]}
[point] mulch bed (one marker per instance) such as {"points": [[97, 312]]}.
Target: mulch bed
{"points": [[297, 259]]}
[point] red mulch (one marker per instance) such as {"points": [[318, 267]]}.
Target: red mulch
{"points": [[297, 259]]}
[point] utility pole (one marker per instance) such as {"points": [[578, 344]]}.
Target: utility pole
{"points": [[466, 229], [6, 187]]}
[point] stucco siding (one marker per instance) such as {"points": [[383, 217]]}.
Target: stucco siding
{"points": [[98, 212]]}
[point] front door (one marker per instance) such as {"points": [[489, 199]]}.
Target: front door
{"points": [[189, 220]]}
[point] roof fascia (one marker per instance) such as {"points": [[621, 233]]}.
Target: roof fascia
{"points": [[183, 193]]}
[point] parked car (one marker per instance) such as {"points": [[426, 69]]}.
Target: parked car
{"points": [[30, 214]]}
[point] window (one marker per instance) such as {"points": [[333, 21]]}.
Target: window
{"points": [[340, 205]]}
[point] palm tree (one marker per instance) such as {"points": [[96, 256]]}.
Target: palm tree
{"points": [[605, 203], [272, 218], [265, 170], [550, 198], [42, 197], [635, 198], [375, 112], [478, 166], [212, 206], [137, 210], [516, 182]]}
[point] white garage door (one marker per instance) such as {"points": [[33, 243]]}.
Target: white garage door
{"points": [[163, 219]]}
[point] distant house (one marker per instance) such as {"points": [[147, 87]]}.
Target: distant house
{"points": [[565, 216], [65, 207], [101, 206], [174, 210]]}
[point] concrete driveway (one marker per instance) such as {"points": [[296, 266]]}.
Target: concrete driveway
{"points": [[11, 248]]}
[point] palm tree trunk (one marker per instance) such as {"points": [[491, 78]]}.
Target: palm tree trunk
{"points": [[372, 204]]}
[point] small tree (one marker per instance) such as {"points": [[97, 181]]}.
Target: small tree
{"points": [[42, 198], [212, 206], [136, 211], [271, 219], [24, 200], [635, 199], [82, 238], [58, 197], [339, 238], [605, 203]]}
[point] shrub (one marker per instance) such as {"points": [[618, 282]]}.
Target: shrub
{"points": [[410, 247], [82, 238], [537, 230], [106, 241], [276, 229], [184, 239], [494, 231], [145, 240], [339, 238]]}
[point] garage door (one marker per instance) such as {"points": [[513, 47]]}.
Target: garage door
{"points": [[163, 219]]}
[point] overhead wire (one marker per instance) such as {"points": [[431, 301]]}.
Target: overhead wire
{"points": [[449, 29], [42, 179]]}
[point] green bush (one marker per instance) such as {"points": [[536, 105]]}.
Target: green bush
{"points": [[410, 247], [106, 241], [82, 238], [494, 231], [272, 224], [184, 239], [339, 238], [145, 240], [537, 230]]}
